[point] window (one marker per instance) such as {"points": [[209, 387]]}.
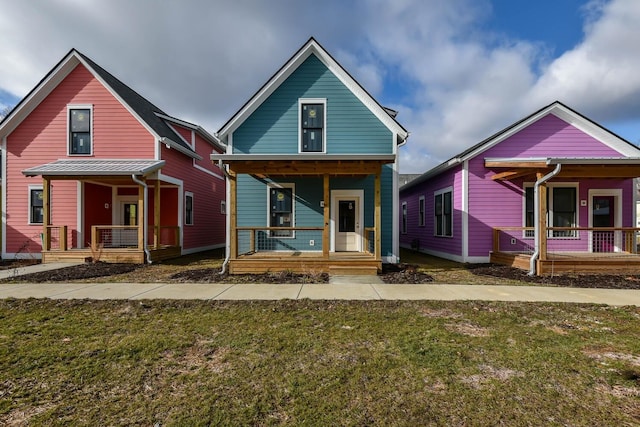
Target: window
{"points": [[36, 205], [80, 131], [312, 125], [404, 217], [223, 207], [281, 212], [562, 206], [421, 211], [443, 213], [188, 209]]}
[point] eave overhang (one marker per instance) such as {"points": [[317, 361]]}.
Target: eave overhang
{"points": [[574, 167]]}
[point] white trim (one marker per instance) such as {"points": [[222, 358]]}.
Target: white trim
{"points": [[550, 189], [202, 249], [207, 171], [337, 195], [311, 47], [116, 213], [465, 211], [22, 255], [395, 245], [422, 218], [292, 186], [616, 193], [71, 107], [452, 257], [301, 103], [3, 159], [30, 188], [170, 179], [223, 207], [189, 194], [442, 192]]}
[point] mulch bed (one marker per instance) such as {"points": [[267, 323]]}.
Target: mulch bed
{"points": [[392, 274]]}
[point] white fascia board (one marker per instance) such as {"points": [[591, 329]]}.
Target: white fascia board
{"points": [[211, 139], [301, 157], [180, 148], [39, 93]]}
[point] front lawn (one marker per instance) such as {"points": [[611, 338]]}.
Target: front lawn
{"points": [[317, 363]]}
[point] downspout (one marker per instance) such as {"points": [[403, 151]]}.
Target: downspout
{"points": [[536, 217], [227, 248], [144, 216]]}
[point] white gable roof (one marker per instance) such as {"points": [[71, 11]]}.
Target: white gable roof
{"points": [[312, 47]]}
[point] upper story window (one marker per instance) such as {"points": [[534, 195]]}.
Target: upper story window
{"points": [[80, 131], [312, 125]]}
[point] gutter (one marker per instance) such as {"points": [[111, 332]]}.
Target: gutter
{"points": [[227, 246], [144, 216], [536, 217]]}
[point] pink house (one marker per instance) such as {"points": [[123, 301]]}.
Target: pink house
{"points": [[553, 192], [92, 169]]}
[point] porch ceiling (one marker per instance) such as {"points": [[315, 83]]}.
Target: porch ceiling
{"points": [[614, 168]]}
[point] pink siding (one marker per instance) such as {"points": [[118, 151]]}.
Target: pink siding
{"points": [[209, 223], [42, 138]]}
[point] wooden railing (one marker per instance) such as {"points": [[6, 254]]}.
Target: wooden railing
{"points": [[271, 239], [54, 238], [577, 239], [370, 240]]}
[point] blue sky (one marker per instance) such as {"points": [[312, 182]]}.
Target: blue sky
{"points": [[456, 70]]}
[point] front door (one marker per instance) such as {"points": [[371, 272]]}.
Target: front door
{"points": [[603, 215], [127, 217]]}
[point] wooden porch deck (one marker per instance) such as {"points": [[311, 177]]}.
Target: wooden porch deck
{"points": [[306, 262], [120, 255], [573, 262]]}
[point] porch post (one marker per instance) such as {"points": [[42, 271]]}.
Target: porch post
{"points": [[542, 217], [378, 217], [233, 219], [156, 216], [141, 208], [325, 230], [46, 214]]}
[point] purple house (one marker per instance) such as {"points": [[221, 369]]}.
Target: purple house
{"points": [[554, 192]]}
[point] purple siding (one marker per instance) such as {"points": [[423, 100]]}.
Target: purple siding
{"points": [[501, 203]]}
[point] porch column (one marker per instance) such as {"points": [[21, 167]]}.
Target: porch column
{"points": [[378, 217], [233, 218], [325, 230], [141, 208], [156, 215], [542, 218], [46, 214]]}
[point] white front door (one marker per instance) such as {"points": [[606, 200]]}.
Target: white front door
{"points": [[347, 221], [126, 214]]}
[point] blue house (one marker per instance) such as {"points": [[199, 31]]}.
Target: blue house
{"points": [[312, 162]]}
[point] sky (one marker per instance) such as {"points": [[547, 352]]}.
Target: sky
{"points": [[457, 71]]}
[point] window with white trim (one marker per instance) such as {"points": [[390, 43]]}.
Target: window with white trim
{"points": [[281, 209], [36, 205], [404, 217], [80, 130], [312, 125], [443, 213], [188, 208], [562, 204], [421, 211]]}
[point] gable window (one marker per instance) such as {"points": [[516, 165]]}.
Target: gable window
{"points": [[443, 213], [281, 212], [188, 208], [36, 205], [80, 131], [562, 204], [404, 217], [421, 211], [312, 125]]}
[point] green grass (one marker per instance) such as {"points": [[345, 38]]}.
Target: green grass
{"points": [[317, 363]]}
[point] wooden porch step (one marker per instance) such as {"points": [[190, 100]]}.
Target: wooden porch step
{"points": [[355, 270]]}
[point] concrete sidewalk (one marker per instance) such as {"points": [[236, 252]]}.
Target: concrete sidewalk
{"points": [[331, 291]]}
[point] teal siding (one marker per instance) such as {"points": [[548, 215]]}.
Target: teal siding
{"points": [[351, 127]]}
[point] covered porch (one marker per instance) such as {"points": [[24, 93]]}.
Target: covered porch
{"points": [[316, 247], [119, 214], [603, 242]]}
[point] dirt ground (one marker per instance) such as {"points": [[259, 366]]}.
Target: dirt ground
{"points": [[392, 274]]}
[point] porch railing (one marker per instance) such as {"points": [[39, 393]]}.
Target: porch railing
{"points": [[56, 237], [569, 239], [278, 239], [115, 236]]}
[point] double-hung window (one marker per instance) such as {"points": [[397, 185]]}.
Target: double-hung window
{"points": [[281, 209], [421, 211], [188, 208], [562, 204], [36, 205], [443, 213], [80, 141], [312, 125]]}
